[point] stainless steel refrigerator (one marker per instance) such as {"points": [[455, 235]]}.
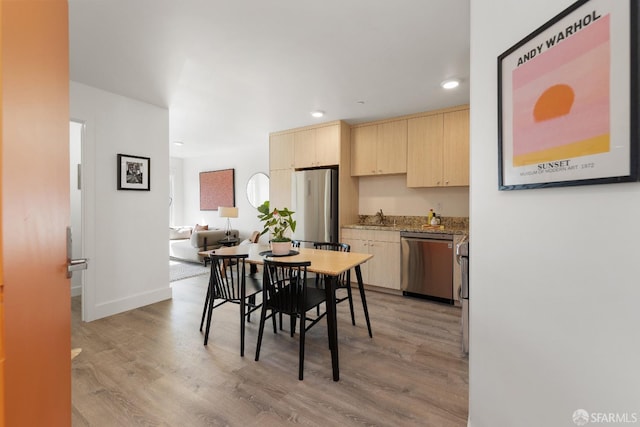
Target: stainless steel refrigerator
{"points": [[314, 199]]}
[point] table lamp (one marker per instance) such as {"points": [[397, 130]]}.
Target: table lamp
{"points": [[228, 212]]}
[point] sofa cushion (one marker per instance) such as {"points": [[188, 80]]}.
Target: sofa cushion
{"points": [[176, 233], [199, 227]]}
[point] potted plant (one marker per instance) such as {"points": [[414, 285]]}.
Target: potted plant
{"points": [[277, 222]]}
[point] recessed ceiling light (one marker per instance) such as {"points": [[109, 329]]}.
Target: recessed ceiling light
{"points": [[360, 102], [317, 113], [450, 84], [178, 143]]}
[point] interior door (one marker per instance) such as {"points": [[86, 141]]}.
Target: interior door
{"points": [[34, 182]]}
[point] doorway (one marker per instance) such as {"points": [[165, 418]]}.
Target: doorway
{"points": [[76, 131]]}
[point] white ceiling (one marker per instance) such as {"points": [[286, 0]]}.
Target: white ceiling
{"points": [[231, 71]]}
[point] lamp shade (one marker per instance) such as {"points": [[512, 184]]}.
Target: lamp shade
{"points": [[228, 212]]}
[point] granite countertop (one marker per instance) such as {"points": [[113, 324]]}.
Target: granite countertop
{"points": [[450, 225], [408, 227]]}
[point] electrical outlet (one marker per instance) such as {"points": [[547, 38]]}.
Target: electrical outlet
{"points": [[439, 208]]}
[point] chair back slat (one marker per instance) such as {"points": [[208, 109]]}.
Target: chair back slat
{"points": [[284, 285], [226, 273], [344, 279]]}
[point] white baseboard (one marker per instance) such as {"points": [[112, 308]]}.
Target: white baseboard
{"points": [[129, 303]]}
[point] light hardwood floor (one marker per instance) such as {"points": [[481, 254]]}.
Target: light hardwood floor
{"points": [[149, 367]]}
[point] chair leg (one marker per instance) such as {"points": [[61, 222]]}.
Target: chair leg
{"points": [[242, 315], [302, 336], [263, 315], [292, 324], [364, 299], [204, 310], [252, 302], [353, 317], [209, 316], [275, 328]]}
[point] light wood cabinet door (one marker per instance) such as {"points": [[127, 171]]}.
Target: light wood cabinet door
{"points": [[425, 151], [391, 151], [280, 188], [304, 148], [384, 268], [364, 142], [317, 147], [456, 148], [379, 149], [438, 150], [327, 145], [281, 151]]}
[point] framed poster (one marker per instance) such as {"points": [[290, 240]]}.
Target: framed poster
{"points": [[567, 100], [217, 188], [133, 173]]}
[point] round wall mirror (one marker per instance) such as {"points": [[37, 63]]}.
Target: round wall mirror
{"points": [[258, 189]]}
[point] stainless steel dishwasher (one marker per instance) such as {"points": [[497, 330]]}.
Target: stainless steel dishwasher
{"points": [[427, 265]]}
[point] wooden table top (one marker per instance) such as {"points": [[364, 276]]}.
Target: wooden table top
{"points": [[331, 263]]}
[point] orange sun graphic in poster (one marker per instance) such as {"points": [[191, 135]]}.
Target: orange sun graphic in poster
{"points": [[561, 99]]}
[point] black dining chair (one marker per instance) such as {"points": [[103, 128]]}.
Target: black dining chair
{"points": [[285, 291], [343, 281], [230, 283]]}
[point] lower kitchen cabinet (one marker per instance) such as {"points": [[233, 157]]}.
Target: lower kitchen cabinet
{"points": [[384, 268]]}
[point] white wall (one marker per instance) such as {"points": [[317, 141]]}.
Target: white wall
{"points": [[245, 165], [554, 272], [176, 172], [391, 194], [126, 231]]}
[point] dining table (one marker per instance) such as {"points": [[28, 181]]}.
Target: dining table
{"points": [[328, 263]]}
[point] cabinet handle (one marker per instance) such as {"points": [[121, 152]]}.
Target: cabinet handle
{"points": [[379, 170]]}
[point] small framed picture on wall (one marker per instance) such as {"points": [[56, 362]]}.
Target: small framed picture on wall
{"points": [[134, 173]]}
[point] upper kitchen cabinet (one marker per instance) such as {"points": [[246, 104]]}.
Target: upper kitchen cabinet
{"points": [[322, 145], [281, 151], [319, 146], [379, 149], [438, 149]]}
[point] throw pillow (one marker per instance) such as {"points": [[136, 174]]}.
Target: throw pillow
{"points": [[199, 227]]}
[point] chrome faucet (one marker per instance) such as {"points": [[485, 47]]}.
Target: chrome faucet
{"points": [[380, 216]]}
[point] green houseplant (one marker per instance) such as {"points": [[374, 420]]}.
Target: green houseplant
{"points": [[277, 222]]}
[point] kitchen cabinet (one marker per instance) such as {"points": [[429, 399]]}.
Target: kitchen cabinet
{"points": [[383, 269], [280, 188], [325, 144], [281, 151], [317, 147], [280, 169], [438, 149], [379, 149]]}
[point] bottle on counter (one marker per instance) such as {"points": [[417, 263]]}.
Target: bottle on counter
{"points": [[430, 216], [434, 220]]}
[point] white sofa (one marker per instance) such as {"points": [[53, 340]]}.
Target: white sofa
{"points": [[184, 243]]}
